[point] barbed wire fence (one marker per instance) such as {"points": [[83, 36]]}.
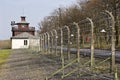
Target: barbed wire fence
{"points": [[88, 38]]}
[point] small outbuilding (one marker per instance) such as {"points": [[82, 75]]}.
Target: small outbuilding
{"points": [[24, 40]]}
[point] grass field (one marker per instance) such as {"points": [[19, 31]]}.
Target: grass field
{"points": [[4, 54]]}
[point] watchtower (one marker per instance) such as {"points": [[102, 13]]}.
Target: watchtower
{"points": [[22, 26]]}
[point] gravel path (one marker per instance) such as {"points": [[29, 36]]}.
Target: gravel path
{"points": [[22, 65], [28, 65]]}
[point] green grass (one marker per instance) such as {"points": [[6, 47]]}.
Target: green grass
{"points": [[4, 54]]}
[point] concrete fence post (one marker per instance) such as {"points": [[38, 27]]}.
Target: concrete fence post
{"points": [[92, 43], [112, 41]]}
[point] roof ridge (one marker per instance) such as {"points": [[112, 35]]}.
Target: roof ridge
{"points": [[24, 35]]}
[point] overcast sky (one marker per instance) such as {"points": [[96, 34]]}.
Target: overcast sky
{"points": [[34, 10]]}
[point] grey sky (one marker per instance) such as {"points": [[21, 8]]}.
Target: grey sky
{"points": [[34, 10]]}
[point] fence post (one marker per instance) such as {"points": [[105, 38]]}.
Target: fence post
{"points": [[45, 37], [68, 44], [48, 39], [43, 42], [51, 42], [112, 41], [55, 41], [92, 43], [62, 56], [115, 74], [40, 43], [78, 45]]}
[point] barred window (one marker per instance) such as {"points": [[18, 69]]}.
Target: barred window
{"points": [[25, 42]]}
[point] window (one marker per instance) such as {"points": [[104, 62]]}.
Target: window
{"points": [[25, 42]]}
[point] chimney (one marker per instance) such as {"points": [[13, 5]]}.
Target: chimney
{"points": [[12, 23], [22, 18]]}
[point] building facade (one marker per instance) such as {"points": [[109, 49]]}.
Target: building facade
{"points": [[22, 34]]}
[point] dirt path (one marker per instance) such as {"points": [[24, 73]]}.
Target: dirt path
{"points": [[22, 65]]}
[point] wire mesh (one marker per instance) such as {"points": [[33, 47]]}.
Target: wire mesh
{"points": [[95, 42], [103, 31], [85, 34]]}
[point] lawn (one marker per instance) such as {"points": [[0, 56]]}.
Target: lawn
{"points": [[4, 54]]}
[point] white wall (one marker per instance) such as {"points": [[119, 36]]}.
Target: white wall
{"points": [[19, 43]]}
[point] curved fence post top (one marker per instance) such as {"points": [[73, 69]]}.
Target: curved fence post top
{"points": [[76, 24], [66, 26]]}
